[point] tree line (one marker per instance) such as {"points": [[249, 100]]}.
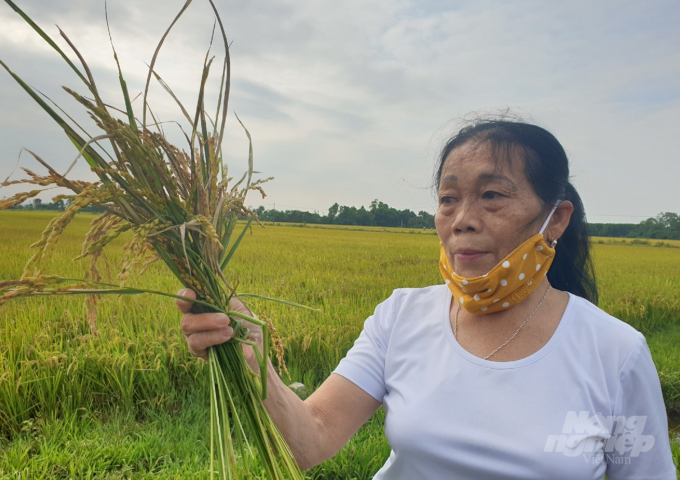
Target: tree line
{"points": [[665, 226], [59, 205], [379, 214]]}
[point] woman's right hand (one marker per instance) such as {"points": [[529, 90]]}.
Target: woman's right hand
{"points": [[203, 330], [315, 429]]}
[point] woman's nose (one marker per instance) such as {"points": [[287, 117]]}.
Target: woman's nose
{"points": [[466, 219]]}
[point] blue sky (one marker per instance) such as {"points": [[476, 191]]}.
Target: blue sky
{"points": [[350, 101]]}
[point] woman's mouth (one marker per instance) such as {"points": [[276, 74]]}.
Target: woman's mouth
{"points": [[468, 255]]}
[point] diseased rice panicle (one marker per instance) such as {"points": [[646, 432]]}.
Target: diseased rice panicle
{"points": [[181, 208]]}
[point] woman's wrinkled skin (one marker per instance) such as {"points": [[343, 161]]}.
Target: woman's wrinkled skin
{"points": [[487, 208]]}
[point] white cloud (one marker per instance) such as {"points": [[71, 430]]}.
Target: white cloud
{"points": [[349, 101]]}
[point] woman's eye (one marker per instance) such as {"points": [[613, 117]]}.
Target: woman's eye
{"points": [[490, 195], [446, 199]]}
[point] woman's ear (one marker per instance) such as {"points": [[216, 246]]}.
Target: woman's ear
{"points": [[559, 221]]}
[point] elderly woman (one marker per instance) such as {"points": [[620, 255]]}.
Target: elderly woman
{"points": [[508, 370]]}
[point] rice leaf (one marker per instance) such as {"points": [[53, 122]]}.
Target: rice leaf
{"points": [[47, 39], [123, 85], [277, 300], [92, 157], [225, 83], [172, 94], [155, 57], [232, 250], [250, 154]]}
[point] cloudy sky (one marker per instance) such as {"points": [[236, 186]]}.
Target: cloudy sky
{"points": [[350, 101]]}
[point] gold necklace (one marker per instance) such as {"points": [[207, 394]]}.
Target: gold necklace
{"points": [[455, 322]]}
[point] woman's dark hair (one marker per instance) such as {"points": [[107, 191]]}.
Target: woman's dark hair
{"points": [[547, 168]]}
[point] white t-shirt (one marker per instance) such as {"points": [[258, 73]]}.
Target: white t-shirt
{"points": [[452, 415]]}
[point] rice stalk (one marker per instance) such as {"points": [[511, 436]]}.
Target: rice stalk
{"points": [[181, 208]]}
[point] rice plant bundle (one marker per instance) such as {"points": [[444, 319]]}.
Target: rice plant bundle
{"points": [[182, 209]]}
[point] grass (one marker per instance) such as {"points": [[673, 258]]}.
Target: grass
{"points": [[132, 403], [153, 443]]}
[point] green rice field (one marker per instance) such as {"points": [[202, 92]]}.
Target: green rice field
{"points": [[133, 403]]}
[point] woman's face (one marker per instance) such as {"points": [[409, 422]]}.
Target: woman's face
{"points": [[484, 208]]}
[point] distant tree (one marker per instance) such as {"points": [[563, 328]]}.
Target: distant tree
{"points": [[332, 213], [385, 216], [364, 217], [346, 216], [664, 226], [423, 220]]}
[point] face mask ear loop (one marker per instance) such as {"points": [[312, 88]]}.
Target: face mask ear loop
{"points": [[545, 224]]}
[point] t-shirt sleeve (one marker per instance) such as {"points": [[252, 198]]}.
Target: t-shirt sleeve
{"points": [[639, 448], [364, 364]]}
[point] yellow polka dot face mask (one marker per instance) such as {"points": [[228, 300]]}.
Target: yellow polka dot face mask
{"points": [[506, 284]]}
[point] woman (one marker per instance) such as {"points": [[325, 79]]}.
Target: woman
{"points": [[571, 392]]}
